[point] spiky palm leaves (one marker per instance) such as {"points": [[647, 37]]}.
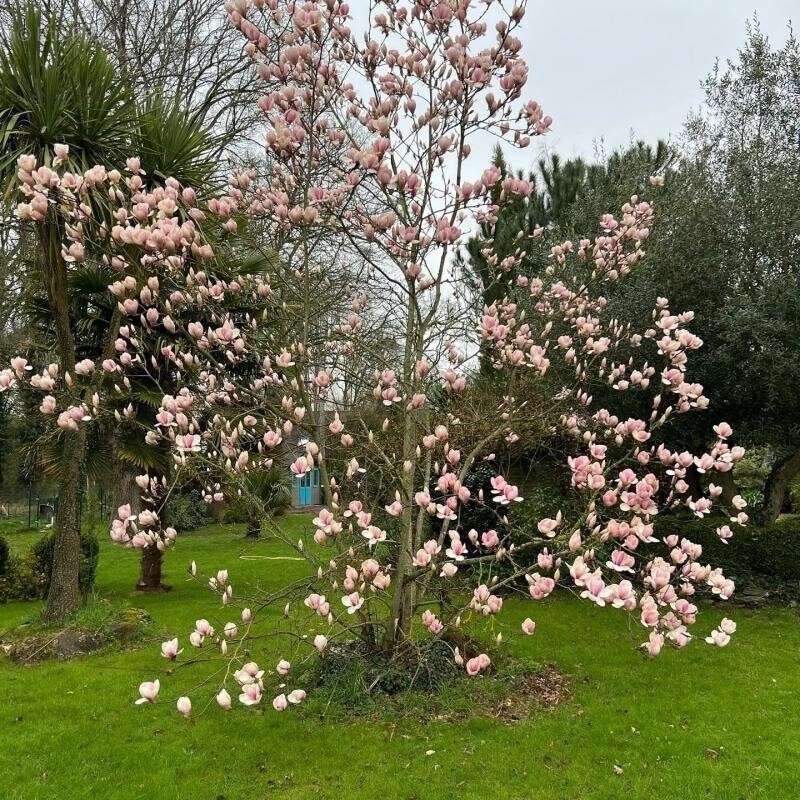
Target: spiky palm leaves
{"points": [[261, 493], [58, 89]]}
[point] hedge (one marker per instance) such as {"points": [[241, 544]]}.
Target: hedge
{"points": [[768, 553]]}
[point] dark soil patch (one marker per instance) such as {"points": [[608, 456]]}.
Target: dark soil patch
{"points": [[425, 685], [544, 689]]}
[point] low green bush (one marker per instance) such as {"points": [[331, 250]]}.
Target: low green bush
{"points": [[22, 579], [90, 553], [776, 550], [794, 497]]}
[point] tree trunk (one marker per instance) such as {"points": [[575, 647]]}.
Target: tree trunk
{"points": [[253, 529], [126, 490], [150, 571], [692, 478], [729, 488], [63, 595], [783, 471], [152, 557], [405, 589]]}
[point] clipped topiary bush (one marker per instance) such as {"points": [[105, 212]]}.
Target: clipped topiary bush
{"points": [[187, 511], [90, 553]]}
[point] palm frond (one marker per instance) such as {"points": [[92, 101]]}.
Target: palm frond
{"points": [[173, 141], [55, 88]]}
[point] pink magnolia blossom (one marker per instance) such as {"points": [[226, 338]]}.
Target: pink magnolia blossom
{"points": [[478, 664], [148, 691], [170, 649], [280, 703], [184, 706], [224, 700], [250, 694]]}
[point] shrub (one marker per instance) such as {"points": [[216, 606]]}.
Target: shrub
{"points": [[90, 552], [776, 550], [187, 511], [541, 501], [544, 500], [4, 556], [22, 579], [265, 493], [794, 497]]}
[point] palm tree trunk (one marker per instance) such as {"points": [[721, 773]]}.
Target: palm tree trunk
{"points": [[63, 595]]}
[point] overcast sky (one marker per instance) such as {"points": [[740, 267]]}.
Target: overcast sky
{"points": [[611, 68]]}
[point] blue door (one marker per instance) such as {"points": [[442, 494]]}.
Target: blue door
{"points": [[305, 489], [308, 488]]}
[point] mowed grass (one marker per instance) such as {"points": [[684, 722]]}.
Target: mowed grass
{"points": [[702, 723]]}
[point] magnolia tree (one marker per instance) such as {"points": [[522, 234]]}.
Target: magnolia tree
{"points": [[370, 138]]}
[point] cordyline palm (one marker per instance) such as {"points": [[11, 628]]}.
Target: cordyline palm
{"points": [[64, 89], [171, 142], [58, 89], [263, 492], [55, 90]]}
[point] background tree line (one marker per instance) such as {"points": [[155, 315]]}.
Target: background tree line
{"points": [[726, 244]]}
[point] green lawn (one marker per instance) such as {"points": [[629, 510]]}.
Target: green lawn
{"points": [[703, 723]]}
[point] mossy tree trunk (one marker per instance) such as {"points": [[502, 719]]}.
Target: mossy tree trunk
{"points": [[64, 595]]}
